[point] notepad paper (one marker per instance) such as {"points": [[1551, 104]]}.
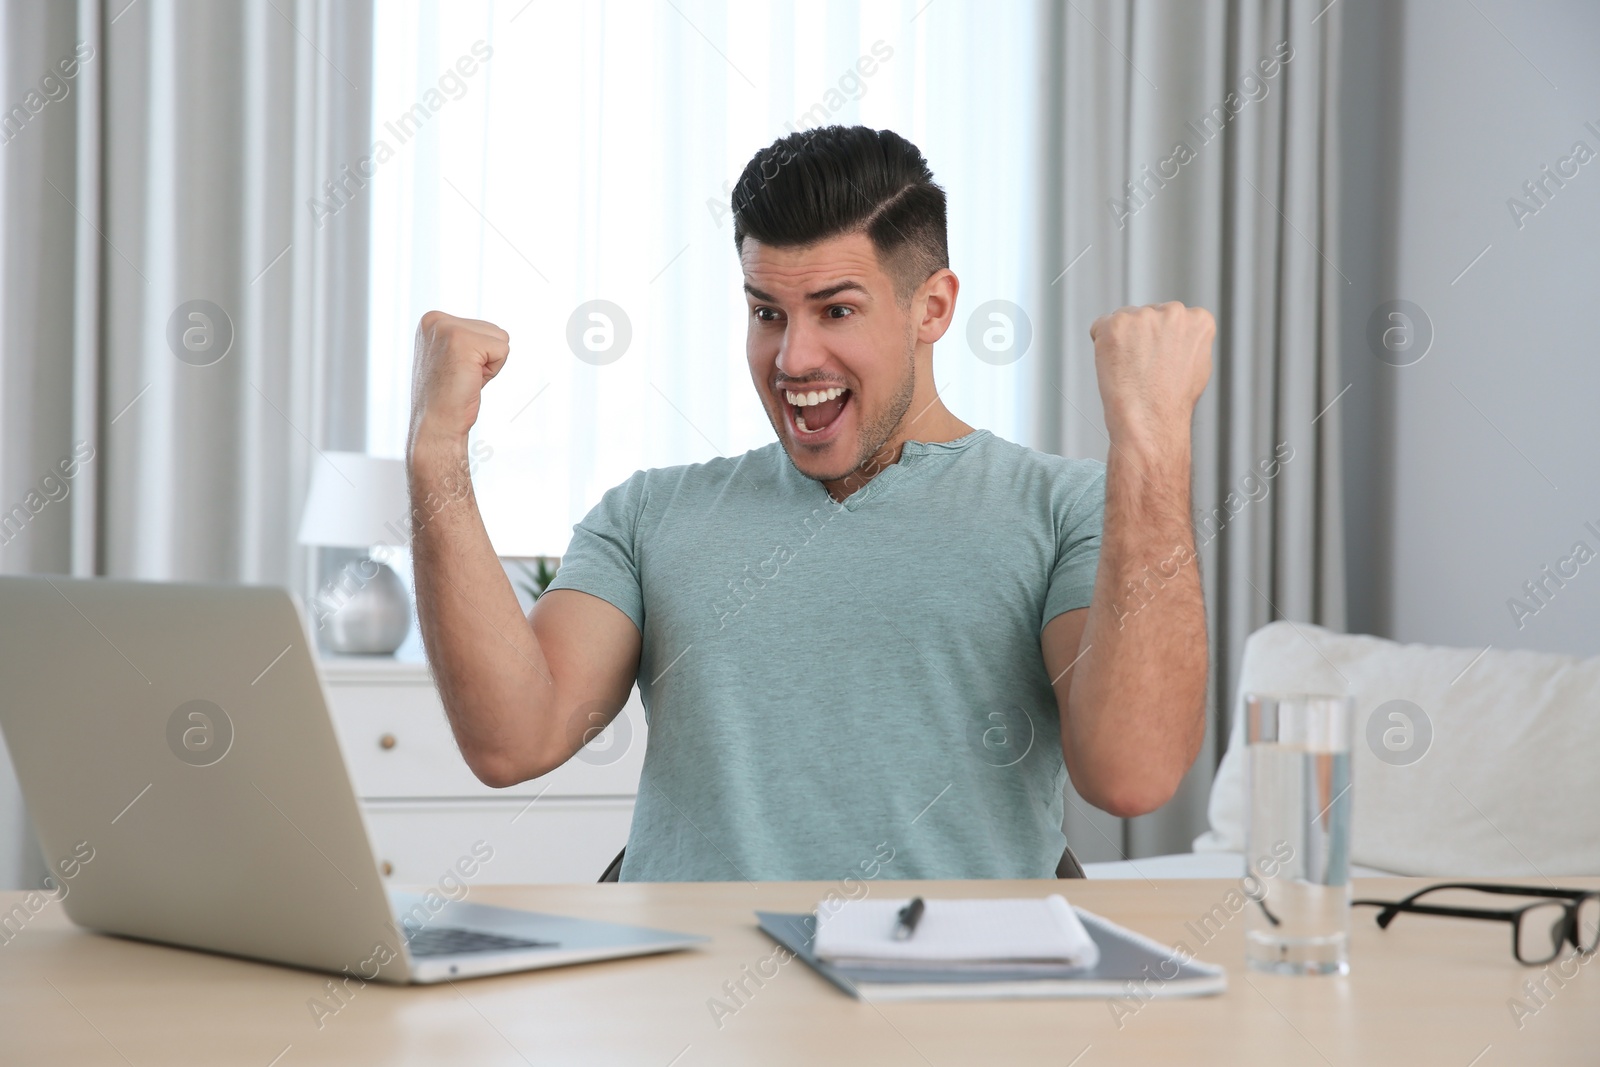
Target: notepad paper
{"points": [[958, 933]]}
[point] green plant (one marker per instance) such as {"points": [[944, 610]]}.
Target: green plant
{"points": [[533, 580]]}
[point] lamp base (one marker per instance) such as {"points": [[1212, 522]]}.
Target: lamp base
{"points": [[366, 612]]}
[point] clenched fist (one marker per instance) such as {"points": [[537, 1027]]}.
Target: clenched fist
{"points": [[1152, 364], [455, 358]]}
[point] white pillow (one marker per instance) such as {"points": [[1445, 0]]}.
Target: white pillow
{"points": [[1507, 786]]}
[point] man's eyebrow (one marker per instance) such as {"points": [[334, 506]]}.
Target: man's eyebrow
{"points": [[845, 286], [834, 290]]}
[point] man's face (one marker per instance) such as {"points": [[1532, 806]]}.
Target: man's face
{"points": [[831, 351]]}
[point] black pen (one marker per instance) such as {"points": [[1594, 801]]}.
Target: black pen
{"points": [[906, 923]]}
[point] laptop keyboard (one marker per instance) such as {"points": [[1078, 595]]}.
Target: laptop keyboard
{"points": [[456, 941]]}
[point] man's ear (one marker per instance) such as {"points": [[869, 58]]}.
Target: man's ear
{"points": [[934, 304]]}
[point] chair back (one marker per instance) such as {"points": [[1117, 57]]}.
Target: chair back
{"points": [[1067, 867]]}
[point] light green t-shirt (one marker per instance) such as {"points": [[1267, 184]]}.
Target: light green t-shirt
{"points": [[827, 684]]}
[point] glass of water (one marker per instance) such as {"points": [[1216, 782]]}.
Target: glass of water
{"points": [[1297, 835]]}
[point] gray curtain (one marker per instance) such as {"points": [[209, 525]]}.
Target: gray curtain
{"points": [[1243, 222], [159, 161]]}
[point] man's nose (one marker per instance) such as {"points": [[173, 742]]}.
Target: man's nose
{"points": [[801, 353]]}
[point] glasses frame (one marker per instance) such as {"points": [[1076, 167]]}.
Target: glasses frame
{"points": [[1574, 899]]}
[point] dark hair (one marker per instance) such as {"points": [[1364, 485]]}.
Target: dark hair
{"points": [[834, 180]]}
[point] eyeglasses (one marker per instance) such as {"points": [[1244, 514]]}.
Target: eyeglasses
{"points": [[1538, 930]]}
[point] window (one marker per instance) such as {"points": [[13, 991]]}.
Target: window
{"points": [[543, 156]]}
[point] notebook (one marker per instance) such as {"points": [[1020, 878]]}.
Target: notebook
{"points": [[1041, 934], [987, 961]]}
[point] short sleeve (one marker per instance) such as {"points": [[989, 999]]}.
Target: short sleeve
{"points": [[602, 558], [1078, 529]]}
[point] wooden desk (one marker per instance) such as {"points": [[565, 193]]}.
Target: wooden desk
{"points": [[1426, 991]]}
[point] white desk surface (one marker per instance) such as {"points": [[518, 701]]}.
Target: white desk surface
{"points": [[1426, 991]]}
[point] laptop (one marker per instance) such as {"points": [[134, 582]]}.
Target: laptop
{"points": [[177, 758]]}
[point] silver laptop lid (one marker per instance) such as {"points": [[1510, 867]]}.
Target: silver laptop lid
{"points": [[181, 770]]}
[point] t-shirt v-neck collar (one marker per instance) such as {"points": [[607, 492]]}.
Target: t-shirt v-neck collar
{"points": [[911, 461]]}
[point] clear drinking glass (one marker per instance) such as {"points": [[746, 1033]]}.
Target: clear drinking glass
{"points": [[1297, 833]]}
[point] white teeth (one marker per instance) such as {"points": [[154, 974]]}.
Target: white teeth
{"points": [[810, 399]]}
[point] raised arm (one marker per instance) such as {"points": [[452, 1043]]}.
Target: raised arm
{"points": [[523, 694], [1130, 671]]}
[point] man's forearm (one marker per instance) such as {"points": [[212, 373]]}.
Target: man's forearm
{"points": [[491, 673], [1136, 708]]}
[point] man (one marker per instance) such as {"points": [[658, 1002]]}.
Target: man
{"points": [[886, 635]]}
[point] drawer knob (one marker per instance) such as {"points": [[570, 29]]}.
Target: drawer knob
{"points": [[386, 741], [388, 868]]}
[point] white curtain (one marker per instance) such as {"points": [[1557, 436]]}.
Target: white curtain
{"points": [[591, 157], [1241, 219], [157, 165]]}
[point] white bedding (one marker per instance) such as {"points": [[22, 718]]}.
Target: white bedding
{"points": [[1505, 785], [1503, 782]]}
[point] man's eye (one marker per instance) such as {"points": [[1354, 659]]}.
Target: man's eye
{"points": [[765, 314], [840, 311]]}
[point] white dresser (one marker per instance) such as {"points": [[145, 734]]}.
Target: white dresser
{"points": [[425, 810]]}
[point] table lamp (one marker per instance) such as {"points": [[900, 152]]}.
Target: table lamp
{"points": [[359, 501]]}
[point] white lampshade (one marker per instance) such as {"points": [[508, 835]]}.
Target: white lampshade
{"points": [[356, 501]]}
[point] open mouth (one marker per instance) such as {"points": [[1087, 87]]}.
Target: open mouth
{"points": [[815, 412]]}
